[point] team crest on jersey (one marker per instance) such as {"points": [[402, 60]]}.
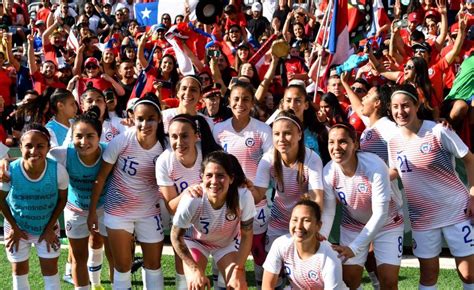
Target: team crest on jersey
{"points": [[430, 71], [313, 275], [109, 136], [249, 142], [368, 135], [230, 216], [362, 188], [425, 148]]}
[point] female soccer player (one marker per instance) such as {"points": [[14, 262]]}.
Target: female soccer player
{"points": [[178, 167], [361, 183], [247, 139], [295, 169], [213, 222], [308, 263], [82, 161], [189, 90], [132, 195], [31, 204], [422, 154]]}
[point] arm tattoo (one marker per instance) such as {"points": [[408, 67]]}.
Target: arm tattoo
{"points": [[180, 247], [246, 225]]}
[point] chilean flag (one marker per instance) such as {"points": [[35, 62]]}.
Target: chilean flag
{"points": [[339, 45], [379, 18]]}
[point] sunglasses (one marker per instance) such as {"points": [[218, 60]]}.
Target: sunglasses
{"points": [[234, 31], [166, 18], [91, 67], [358, 90], [420, 50], [118, 14], [203, 79], [409, 67]]}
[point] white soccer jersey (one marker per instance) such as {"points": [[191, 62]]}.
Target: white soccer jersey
{"points": [[214, 228], [247, 145], [111, 128], [436, 196], [169, 114], [375, 139], [169, 171], [132, 191], [286, 197], [360, 195], [322, 271]]}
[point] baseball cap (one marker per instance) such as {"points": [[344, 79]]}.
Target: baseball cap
{"points": [[454, 28], [414, 17], [433, 14], [91, 60], [256, 7], [230, 9], [424, 45], [39, 22], [243, 45]]}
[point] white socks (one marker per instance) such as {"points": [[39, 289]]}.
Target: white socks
{"points": [[122, 281], [94, 265], [152, 279], [21, 282], [467, 286], [52, 282], [180, 282], [68, 269], [374, 280], [82, 288], [423, 287]]}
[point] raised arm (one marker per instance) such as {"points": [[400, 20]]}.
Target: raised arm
{"points": [[390, 75], [216, 74], [77, 69], [47, 33], [439, 43], [356, 102], [286, 27], [393, 46], [451, 55], [31, 55], [263, 87], [141, 50], [8, 40]]}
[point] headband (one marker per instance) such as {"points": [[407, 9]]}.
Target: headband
{"points": [[36, 131], [194, 78], [146, 102], [406, 93], [194, 123], [290, 119], [213, 91]]}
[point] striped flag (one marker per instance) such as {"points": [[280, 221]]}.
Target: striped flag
{"points": [[184, 63], [339, 46], [379, 18], [72, 42], [259, 57]]}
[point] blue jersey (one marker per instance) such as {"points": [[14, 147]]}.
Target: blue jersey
{"points": [[32, 202], [81, 180], [57, 131]]}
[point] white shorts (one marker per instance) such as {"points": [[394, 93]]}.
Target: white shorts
{"points": [[24, 247], [76, 225], [459, 237], [166, 218], [388, 247], [260, 221], [217, 254], [147, 229]]}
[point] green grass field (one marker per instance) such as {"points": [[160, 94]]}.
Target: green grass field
{"points": [[408, 276]]}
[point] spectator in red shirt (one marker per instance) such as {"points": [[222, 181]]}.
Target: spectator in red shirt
{"points": [[47, 76], [99, 80], [294, 66]]}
